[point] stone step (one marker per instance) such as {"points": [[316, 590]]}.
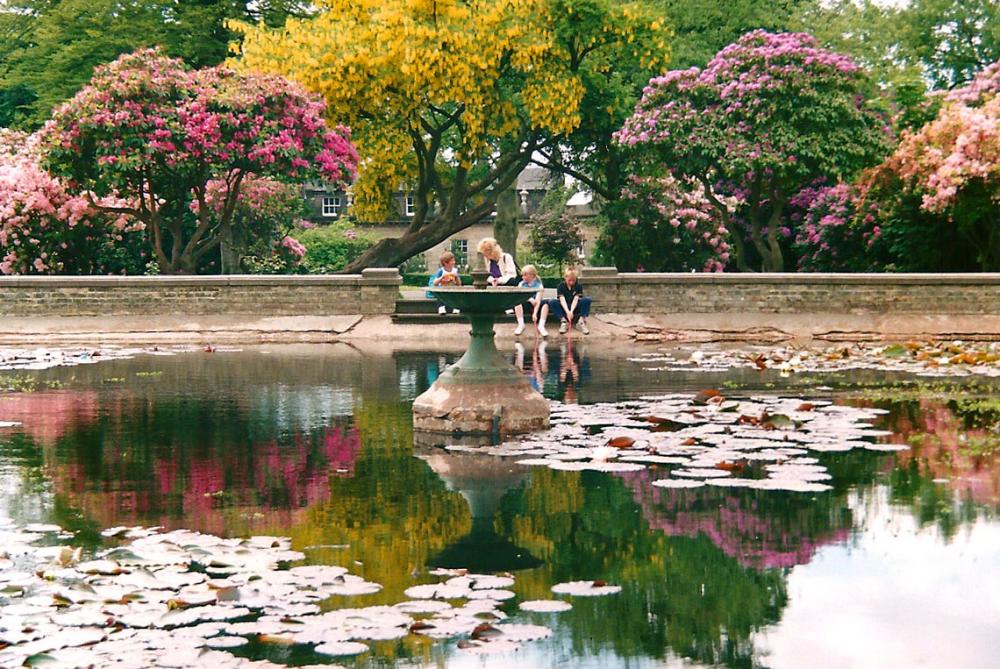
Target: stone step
{"points": [[416, 307], [431, 318]]}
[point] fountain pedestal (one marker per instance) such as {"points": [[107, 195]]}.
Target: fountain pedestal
{"points": [[481, 394]]}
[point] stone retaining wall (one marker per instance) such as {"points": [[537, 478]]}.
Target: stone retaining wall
{"points": [[665, 306], [801, 294], [373, 292]]}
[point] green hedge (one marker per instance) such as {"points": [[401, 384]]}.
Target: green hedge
{"points": [[329, 248]]}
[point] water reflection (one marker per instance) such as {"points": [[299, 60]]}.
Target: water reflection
{"points": [[681, 594], [317, 444]]}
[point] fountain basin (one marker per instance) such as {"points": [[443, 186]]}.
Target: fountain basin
{"points": [[471, 300]]}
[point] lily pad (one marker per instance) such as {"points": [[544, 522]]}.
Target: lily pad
{"points": [[585, 589]]}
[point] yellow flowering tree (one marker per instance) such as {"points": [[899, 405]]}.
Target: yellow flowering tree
{"points": [[451, 99]]}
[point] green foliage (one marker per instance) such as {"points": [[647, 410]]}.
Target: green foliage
{"points": [[702, 27], [954, 39], [555, 235], [50, 49], [415, 265], [330, 248], [905, 46]]}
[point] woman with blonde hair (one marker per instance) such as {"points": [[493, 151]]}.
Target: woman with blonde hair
{"points": [[500, 265]]}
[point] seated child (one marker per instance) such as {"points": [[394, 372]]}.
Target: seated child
{"points": [[529, 279], [569, 306], [447, 275]]}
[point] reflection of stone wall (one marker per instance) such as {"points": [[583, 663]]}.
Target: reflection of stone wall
{"points": [[372, 292]]}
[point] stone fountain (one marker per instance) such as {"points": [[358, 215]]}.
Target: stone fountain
{"points": [[482, 395]]}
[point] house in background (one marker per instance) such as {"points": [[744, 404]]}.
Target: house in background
{"points": [[328, 205]]}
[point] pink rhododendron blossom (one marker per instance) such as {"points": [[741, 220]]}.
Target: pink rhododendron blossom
{"points": [[766, 117], [47, 228], [951, 167], [171, 138], [662, 211], [294, 246]]}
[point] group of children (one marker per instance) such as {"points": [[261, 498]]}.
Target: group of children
{"points": [[570, 305]]}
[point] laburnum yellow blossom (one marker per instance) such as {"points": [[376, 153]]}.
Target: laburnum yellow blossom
{"points": [[421, 81]]}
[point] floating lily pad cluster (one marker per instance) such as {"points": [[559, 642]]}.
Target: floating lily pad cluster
{"points": [[955, 358], [45, 358], [704, 439], [182, 599]]}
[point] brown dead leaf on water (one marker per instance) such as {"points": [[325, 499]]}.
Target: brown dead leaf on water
{"points": [[708, 395], [620, 442]]}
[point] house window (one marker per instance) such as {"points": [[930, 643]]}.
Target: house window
{"points": [[411, 205], [331, 206], [580, 252], [460, 247]]}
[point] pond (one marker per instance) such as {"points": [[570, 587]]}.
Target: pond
{"points": [[891, 560]]}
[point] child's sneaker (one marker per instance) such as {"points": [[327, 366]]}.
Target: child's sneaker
{"points": [[542, 331], [563, 327], [583, 327], [456, 311], [442, 309], [519, 329]]}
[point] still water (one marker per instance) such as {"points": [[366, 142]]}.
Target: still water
{"points": [[897, 566]]}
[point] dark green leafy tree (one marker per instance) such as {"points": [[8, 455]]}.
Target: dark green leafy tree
{"points": [[702, 27], [49, 48], [555, 235], [954, 39]]}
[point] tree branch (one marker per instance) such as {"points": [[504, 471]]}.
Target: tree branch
{"points": [[589, 182]]}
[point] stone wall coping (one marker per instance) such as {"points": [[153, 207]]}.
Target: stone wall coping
{"points": [[381, 276], [367, 278], [602, 275]]}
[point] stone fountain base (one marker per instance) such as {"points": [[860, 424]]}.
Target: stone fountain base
{"points": [[481, 396], [496, 409]]}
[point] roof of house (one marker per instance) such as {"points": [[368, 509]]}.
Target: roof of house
{"points": [[533, 177]]}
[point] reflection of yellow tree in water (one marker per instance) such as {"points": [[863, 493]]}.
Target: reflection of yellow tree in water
{"points": [[393, 513], [678, 592]]}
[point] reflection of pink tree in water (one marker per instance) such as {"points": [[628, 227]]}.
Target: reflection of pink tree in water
{"points": [[942, 445], [47, 416], [746, 525], [218, 489]]}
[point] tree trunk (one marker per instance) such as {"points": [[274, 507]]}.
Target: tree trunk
{"points": [[229, 253], [505, 223], [775, 261], [391, 252]]}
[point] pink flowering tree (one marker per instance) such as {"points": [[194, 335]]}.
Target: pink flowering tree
{"points": [[266, 213], [951, 166], [767, 116], [838, 231], [161, 136], [47, 228], [662, 224]]}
